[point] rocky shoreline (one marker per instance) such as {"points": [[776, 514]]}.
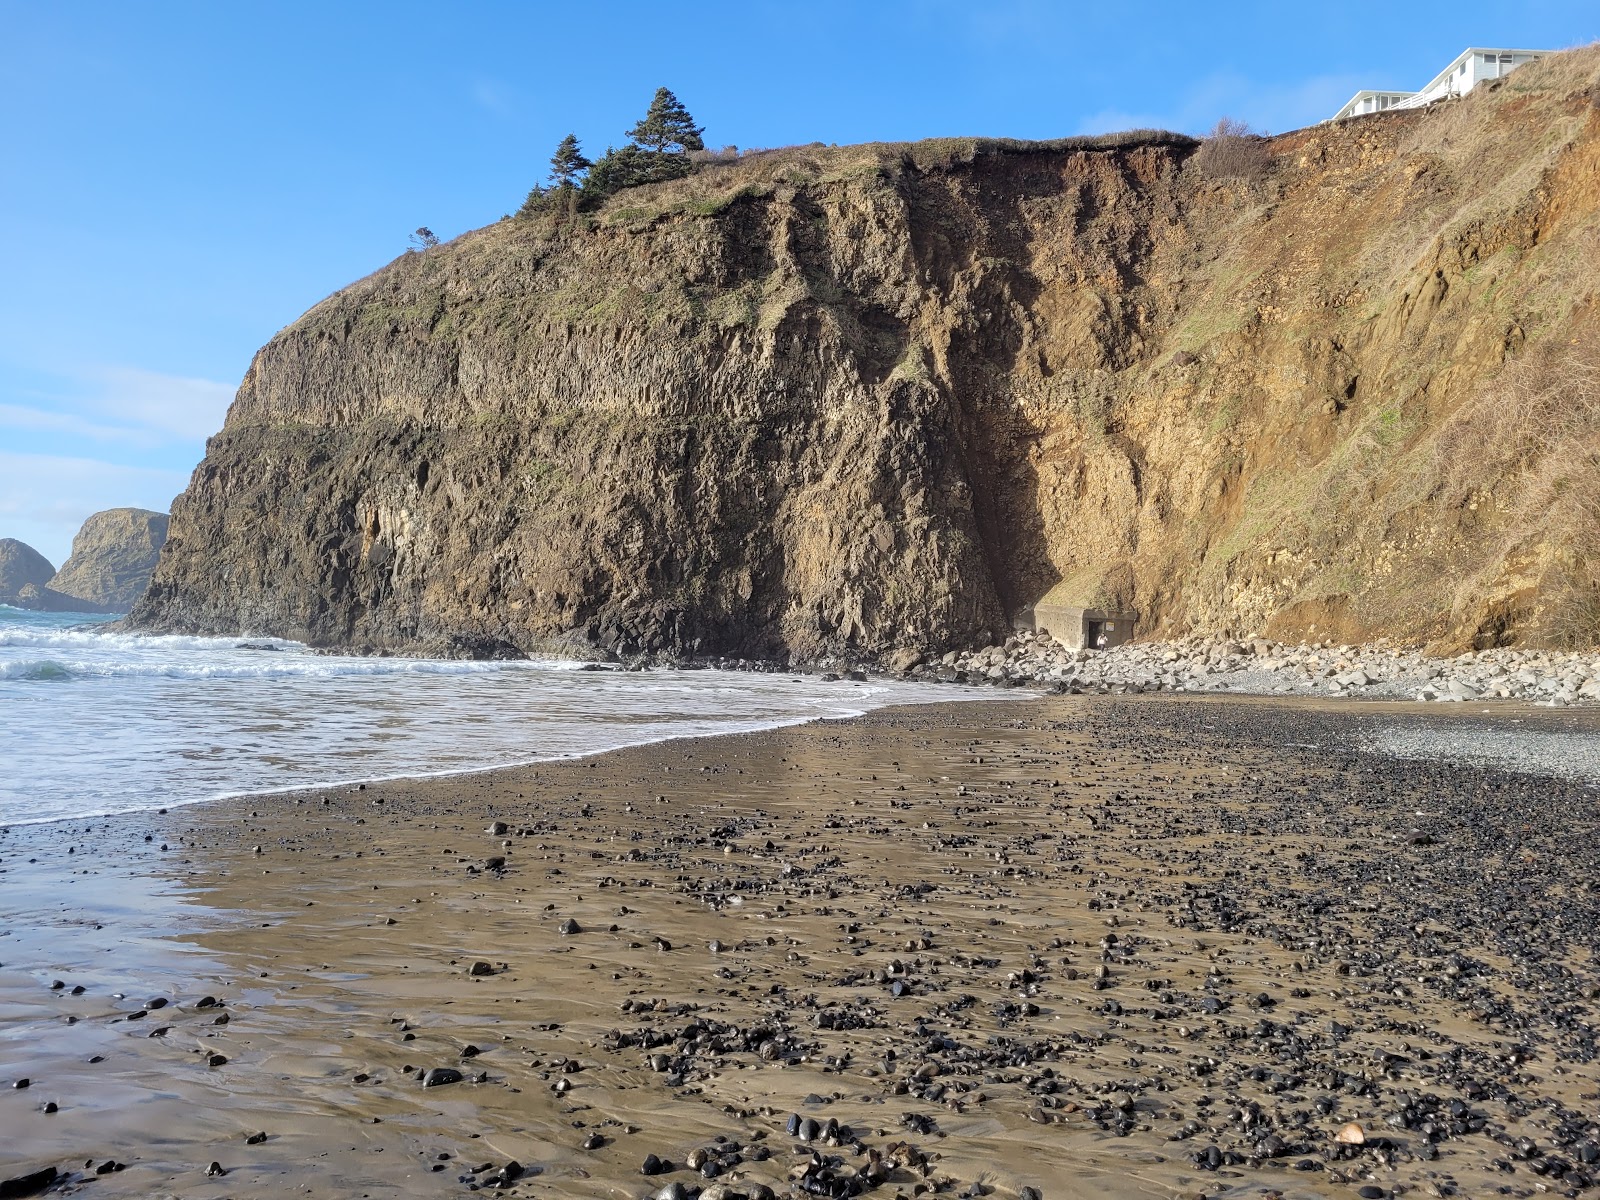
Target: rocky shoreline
{"points": [[1262, 667], [1250, 666]]}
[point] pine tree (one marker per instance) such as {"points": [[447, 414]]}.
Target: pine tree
{"points": [[567, 163], [535, 202], [667, 128]]}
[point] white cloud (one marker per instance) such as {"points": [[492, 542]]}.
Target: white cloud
{"points": [[495, 96], [44, 420], [128, 405], [1267, 107], [162, 404], [44, 498]]}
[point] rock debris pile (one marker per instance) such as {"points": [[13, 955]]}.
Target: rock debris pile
{"points": [[1259, 666]]}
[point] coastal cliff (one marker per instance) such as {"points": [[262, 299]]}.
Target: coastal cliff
{"points": [[849, 400]]}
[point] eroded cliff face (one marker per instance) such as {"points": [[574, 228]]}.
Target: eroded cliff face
{"points": [[864, 398]]}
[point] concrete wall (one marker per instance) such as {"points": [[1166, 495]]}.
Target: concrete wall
{"points": [[1070, 625]]}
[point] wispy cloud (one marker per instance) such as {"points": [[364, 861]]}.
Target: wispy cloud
{"points": [[1268, 107], [43, 420], [496, 97], [44, 498], [122, 404], [170, 404], [85, 439]]}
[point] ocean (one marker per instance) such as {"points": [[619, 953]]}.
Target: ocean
{"points": [[94, 721]]}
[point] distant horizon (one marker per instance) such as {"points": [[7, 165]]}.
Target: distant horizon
{"points": [[184, 183]]}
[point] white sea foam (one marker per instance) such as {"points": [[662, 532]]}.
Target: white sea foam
{"points": [[95, 721]]}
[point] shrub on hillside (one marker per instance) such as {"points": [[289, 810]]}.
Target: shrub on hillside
{"points": [[1232, 151]]}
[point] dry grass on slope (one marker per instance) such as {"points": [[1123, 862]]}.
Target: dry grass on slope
{"points": [[1529, 445], [725, 176]]}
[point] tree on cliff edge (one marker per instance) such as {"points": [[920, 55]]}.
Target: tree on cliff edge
{"points": [[667, 128], [566, 165], [659, 150]]}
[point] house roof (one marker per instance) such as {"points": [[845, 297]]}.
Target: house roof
{"points": [[1443, 75], [1456, 62]]}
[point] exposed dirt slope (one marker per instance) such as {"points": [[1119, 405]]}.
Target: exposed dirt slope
{"points": [[860, 398]]}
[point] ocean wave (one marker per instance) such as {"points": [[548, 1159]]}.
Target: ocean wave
{"points": [[307, 666], [35, 669], [89, 638]]}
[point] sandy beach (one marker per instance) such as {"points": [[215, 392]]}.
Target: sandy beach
{"points": [[1090, 946]]}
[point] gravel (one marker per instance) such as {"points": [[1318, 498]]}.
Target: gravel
{"points": [[1530, 752]]}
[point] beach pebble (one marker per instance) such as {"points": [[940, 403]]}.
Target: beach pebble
{"points": [[506, 1175], [439, 1076], [568, 927], [27, 1185], [1351, 1135], [480, 968]]}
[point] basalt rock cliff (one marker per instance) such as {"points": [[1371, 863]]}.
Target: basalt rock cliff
{"points": [[113, 557], [856, 399]]}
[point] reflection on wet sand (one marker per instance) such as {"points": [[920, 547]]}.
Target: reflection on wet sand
{"points": [[1089, 947]]}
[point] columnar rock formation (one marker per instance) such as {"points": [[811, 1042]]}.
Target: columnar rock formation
{"points": [[830, 400]]}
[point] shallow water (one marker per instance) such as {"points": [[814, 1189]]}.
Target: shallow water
{"points": [[93, 721]]}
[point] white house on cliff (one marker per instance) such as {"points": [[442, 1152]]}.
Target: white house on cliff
{"points": [[1470, 68]]}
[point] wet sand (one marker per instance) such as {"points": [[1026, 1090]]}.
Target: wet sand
{"points": [[1094, 946]]}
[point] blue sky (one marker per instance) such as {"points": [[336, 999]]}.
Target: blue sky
{"points": [[178, 181]]}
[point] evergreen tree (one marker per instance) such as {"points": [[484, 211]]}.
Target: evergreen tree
{"points": [[659, 151], [535, 202], [667, 128], [567, 163]]}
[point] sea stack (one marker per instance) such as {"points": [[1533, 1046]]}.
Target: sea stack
{"points": [[113, 556], [22, 569]]}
